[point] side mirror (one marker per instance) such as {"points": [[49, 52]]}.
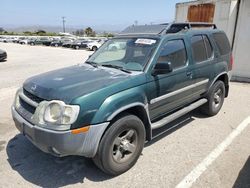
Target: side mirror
{"points": [[162, 68]]}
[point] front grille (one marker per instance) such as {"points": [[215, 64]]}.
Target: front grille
{"points": [[25, 107], [25, 114], [32, 97]]}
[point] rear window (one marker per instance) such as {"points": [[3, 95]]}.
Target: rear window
{"points": [[222, 43]]}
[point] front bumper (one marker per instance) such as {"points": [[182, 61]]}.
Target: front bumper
{"points": [[61, 143], [3, 56]]}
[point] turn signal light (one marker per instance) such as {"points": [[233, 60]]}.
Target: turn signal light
{"points": [[80, 130]]}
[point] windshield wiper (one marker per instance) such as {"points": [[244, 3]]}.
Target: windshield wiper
{"points": [[116, 67], [92, 63]]}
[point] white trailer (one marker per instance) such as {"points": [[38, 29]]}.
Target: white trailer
{"points": [[232, 16]]}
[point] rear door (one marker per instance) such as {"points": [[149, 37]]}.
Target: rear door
{"points": [[203, 59], [168, 92]]}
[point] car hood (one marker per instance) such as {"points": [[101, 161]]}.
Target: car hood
{"points": [[69, 83]]}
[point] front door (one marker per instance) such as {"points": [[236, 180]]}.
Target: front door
{"points": [[169, 91]]}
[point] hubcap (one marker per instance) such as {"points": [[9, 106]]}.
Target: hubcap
{"points": [[124, 145], [217, 98]]}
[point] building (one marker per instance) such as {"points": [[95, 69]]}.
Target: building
{"points": [[232, 16]]}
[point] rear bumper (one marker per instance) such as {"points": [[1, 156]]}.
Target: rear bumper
{"points": [[61, 143]]}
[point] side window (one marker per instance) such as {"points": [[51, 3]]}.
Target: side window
{"points": [[208, 47], [222, 43], [174, 51], [198, 49]]}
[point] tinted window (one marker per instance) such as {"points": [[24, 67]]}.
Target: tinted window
{"points": [[198, 49], [175, 52], [208, 47], [222, 43]]}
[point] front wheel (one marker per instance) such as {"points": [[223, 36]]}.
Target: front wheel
{"points": [[121, 145], [215, 98]]}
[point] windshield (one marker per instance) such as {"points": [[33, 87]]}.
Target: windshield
{"points": [[127, 53]]}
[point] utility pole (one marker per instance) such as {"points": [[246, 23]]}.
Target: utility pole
{"points": [[63, 20]]}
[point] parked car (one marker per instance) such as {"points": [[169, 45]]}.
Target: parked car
{"points": [[109, 106], [57, 43], [93, 46], [3, 55], [40, 41], [24, 41], [2, 39], [80, 44], [15, 39], [8, 39], [67, 44]]}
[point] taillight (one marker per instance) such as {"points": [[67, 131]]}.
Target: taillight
{"points": [[231, 63]]}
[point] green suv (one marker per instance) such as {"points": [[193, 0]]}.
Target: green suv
{"points": [[132, 86]]}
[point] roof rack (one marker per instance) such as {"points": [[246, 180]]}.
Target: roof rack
{"points": [[165, 28]]}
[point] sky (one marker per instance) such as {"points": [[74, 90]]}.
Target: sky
{"points": [[99, 13]]}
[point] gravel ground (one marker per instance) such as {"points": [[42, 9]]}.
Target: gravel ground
{"points": [[164, 162]]}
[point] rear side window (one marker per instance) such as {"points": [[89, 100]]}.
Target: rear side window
{"points": [[174, 51], [222, 43], [198, 49], [201, 48]]}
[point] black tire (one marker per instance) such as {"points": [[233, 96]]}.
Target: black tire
{"points": [[121, 145], [215, 98], [56, 45], [32, 44], [77, 47], [94, 48]]}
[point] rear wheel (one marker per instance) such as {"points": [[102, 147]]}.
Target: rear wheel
{"points": [[121, 145], [77, 47], [215, 98], [94, 48]]}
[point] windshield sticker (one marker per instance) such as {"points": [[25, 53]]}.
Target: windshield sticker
{"points": [[145, 41]]}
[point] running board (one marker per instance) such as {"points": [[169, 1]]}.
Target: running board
{"points": [[178, 114]]}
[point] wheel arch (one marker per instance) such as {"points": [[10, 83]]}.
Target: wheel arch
{"points": [[225, 79], [139, 110]]}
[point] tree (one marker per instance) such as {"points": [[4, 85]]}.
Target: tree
{"points": [[40, 32], [89, 32], [79, 32], [28, 33], [105, 34]]}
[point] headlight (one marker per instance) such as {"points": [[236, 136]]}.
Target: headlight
{"points": [[55, 113]]}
